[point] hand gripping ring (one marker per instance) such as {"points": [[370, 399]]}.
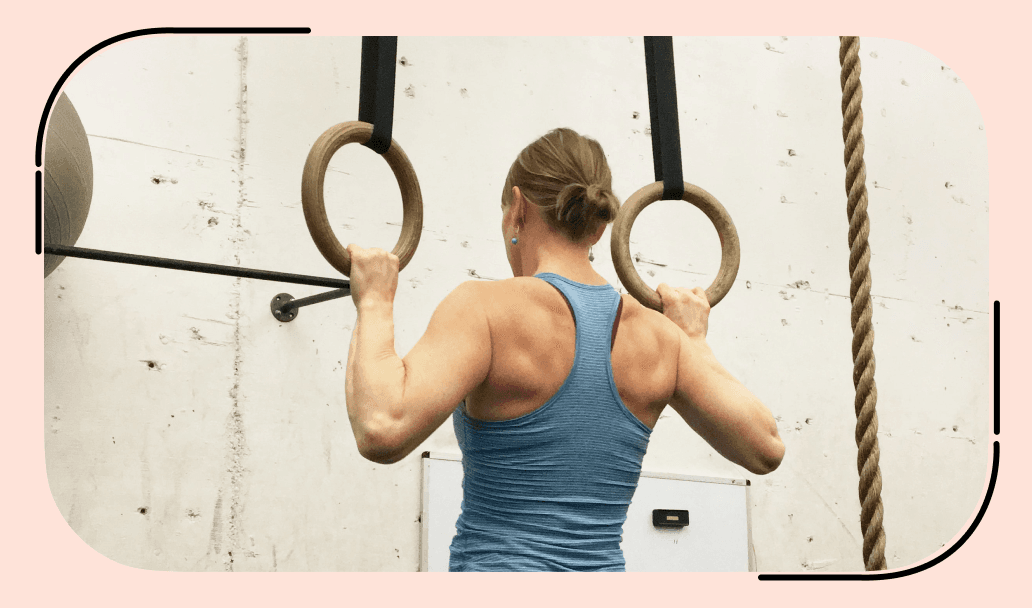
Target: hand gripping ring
{"points": [[730, 257], [314, 206]]}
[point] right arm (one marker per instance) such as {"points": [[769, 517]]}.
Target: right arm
{"points": [[713, 402]]}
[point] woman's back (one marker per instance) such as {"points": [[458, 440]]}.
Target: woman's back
{"points": [[552, 461], [533, 347]]}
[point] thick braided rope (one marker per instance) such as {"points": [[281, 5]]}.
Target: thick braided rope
{"points": [[860, 295]]}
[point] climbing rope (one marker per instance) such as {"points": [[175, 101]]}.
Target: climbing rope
{"points": [[860, 295]]}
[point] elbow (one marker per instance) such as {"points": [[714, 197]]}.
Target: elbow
{"points": [[379, 445], [768, 459], [378, 454]]}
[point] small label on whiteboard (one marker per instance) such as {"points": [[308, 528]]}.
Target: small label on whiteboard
{"points": [[669, 518]]}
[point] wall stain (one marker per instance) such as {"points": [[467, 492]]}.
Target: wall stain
{"points": [[641, 260], [208, 320], [215, 538], [195, 334], [153, 365], [473, 273]]}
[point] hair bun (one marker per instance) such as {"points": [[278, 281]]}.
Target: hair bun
{"points": [[578, 204], [602, 202], [571, 204]]}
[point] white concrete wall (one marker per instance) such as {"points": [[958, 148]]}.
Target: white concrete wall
{"points": [[189, 430]]}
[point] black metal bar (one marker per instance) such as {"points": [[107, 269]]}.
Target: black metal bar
{"points": [[285, 308], [666, 134], [319, 297], [376, 89], [232, 271]]}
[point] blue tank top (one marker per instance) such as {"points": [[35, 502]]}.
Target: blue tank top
{"points": [[549, 491]]}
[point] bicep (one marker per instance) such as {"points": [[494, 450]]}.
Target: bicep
{"points": [[451, 359]]}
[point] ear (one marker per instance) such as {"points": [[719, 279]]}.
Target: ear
{"points": [[519, 205]]}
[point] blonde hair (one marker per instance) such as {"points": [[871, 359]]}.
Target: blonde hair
{"points": [[567, 176]]}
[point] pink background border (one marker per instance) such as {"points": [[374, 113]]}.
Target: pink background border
{"points": [[46, 563]]}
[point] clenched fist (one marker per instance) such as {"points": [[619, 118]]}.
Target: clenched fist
{"points": [[689, 309], [374, 275]]}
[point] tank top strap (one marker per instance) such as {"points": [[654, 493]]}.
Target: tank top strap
{"points": [[594, 310]]}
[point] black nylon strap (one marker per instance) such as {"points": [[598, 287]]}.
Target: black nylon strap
{"points": [[666, 135], [376, 91]]}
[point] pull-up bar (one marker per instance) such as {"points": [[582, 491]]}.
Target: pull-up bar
{"points": [[231, 271]]}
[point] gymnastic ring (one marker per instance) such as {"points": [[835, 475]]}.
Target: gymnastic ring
{"points": [[730, 248], [314, 205]]}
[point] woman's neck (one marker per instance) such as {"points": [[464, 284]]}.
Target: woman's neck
{"points": [[569, 262]]}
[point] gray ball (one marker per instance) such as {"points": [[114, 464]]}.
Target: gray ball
{"points": [[67, 180]]}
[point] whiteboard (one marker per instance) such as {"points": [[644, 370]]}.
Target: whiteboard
{"points": [[717, 538]]}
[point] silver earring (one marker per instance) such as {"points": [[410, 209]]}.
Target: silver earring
{"points": [[591, 254]]}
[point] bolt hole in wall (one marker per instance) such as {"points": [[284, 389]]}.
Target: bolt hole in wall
{"points": [[263, 474]]}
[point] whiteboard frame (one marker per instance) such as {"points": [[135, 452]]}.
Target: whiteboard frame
{"points": [[424, 530]]}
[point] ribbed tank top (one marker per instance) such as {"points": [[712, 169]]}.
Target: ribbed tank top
{"points": [[549, 491]]}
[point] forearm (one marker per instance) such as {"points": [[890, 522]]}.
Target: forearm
{"points": [[375, 376], [349, 378]]}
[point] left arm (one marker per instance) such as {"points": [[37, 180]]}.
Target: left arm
{"points": [[394, 404]]}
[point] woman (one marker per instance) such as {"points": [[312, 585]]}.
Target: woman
{"points": [[559, 379]]}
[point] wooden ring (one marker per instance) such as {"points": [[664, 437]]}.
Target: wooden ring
{"points": [[314, 206], [730, 249]]}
